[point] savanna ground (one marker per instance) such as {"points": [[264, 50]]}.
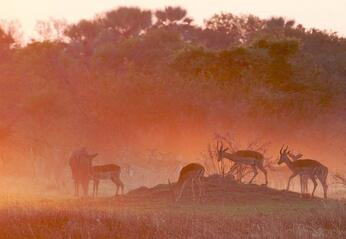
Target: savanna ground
{"points": [[227, 210]]}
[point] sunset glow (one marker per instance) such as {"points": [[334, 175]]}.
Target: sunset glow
{"points": [[328, 15], [172, 119]]}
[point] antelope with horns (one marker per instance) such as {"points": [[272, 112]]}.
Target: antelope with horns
{"points": [[311, 168], [191, 173], [104, 172], [244, 157]]}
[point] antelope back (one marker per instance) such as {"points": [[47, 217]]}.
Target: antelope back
{"points": [[106, 171], [307, 166], [190, 170]]}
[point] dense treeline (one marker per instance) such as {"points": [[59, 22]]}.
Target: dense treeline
{"points": [[139, 78]]}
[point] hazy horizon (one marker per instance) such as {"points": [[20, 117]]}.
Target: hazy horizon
{"points": [[324, 15]]}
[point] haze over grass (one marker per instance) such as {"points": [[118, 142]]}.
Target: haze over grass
{"points": [[126, 82]]}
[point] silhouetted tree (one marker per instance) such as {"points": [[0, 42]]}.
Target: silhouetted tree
{"points": [[127, 21], [171, 15], [123, 75]]}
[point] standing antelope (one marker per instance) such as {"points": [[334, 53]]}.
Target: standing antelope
{"points": [[108, 171], [191, 173], [303, 178], [244, 157], [311, 168]]}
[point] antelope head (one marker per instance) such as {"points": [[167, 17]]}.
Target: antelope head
{"points": [[220, 151], [284, 155]]}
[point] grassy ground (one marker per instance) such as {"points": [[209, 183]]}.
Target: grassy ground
{"points": [[235, 211]]}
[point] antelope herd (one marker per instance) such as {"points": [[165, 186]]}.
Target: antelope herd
{"points": [[83, 171]]}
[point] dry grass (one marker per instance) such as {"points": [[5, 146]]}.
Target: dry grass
{"points": [[244, 211], [199, 221]]}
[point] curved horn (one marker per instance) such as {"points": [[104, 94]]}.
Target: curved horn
{"points": [[281, 148], [286, 149]]}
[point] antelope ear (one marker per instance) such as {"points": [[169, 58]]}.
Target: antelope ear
{"points": [[225, 149]]}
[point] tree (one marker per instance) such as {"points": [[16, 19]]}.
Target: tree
{"points": [[51, 30], [280, 69], [236, 29], [6, 42], [128, 21], [172, 15], [83, 31]]}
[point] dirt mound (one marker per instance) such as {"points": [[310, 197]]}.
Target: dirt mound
{"points": [[217, 189]]}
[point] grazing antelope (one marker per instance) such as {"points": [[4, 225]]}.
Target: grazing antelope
{"points": [[244, 157], [108, 171], [311, 168], [191, 173], [303, 178]]}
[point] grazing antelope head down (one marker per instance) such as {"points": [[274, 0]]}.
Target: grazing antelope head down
{"points": [[190, 174], [220, 151]]}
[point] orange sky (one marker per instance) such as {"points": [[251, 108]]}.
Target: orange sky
{"points": [[322, 14]]}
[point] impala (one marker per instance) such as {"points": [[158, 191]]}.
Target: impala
{"points": [[303, 178], [244, 157], [104, 172], [191, 173], [311, 168]]}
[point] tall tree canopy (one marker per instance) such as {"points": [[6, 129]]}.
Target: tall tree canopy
{"points": [[129, 73]]}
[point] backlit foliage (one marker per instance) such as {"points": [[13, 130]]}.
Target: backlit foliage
{"points": [[155, 79]]}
